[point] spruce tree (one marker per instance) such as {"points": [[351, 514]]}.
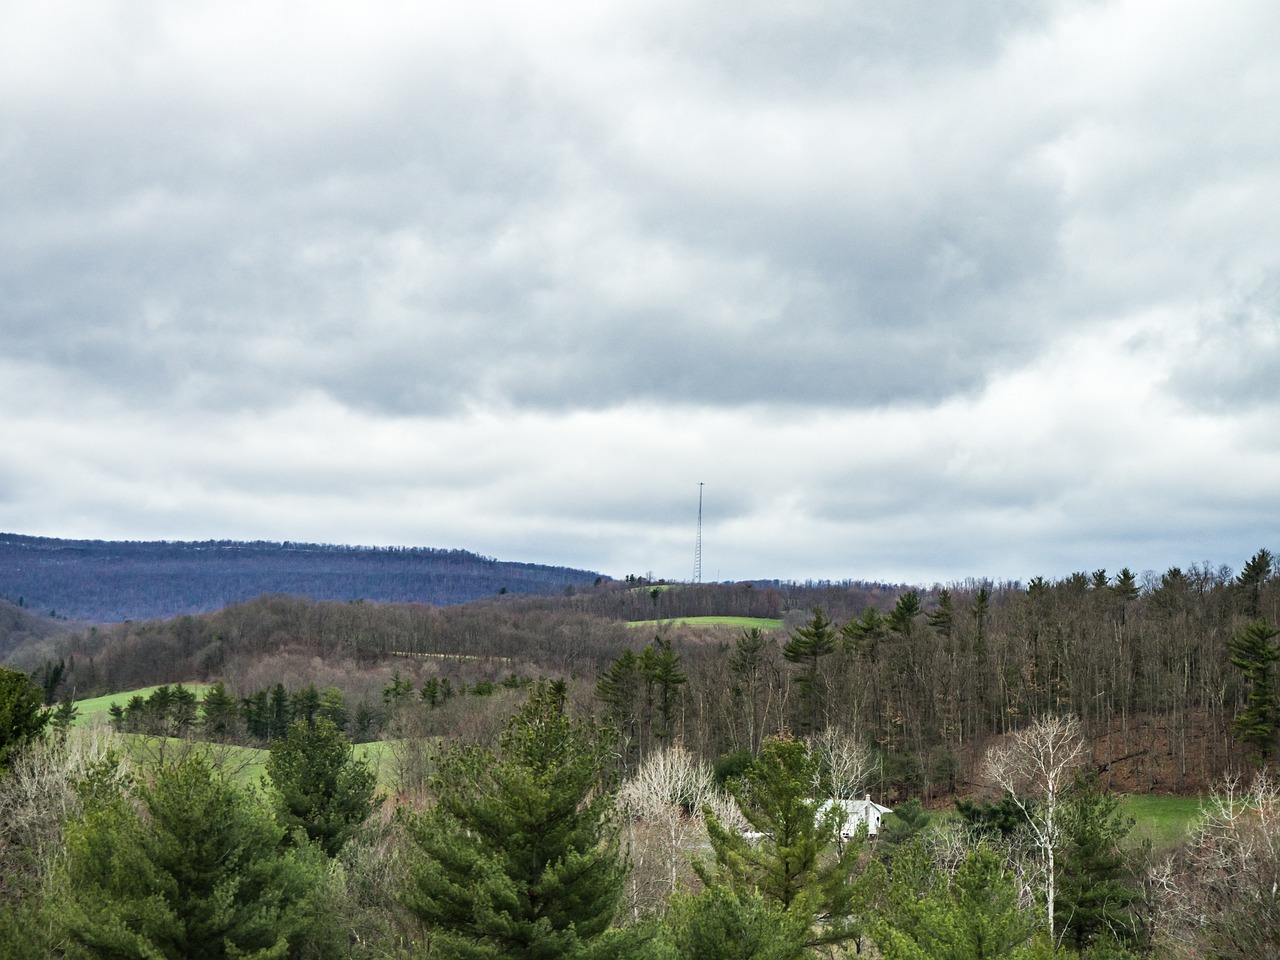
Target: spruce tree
{"points": [[792, 859], [187, 867], [519, 857], [316, 784]]}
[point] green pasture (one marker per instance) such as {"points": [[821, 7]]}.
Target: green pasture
{"points": [[1163, 820], [762, 623], [245, 765], [96, 707]]}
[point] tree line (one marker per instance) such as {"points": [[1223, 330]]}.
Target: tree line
{"points": [[531, 845], [924, 677]]}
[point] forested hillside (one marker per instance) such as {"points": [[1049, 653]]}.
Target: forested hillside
{"points": [[22, 628], [110, 581], [679, 781], [925, 678]]}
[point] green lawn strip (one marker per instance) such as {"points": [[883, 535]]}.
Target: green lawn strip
{"points": [[746, 622], [246, 765], [95, 707], [1164, 820], [378, 754]]}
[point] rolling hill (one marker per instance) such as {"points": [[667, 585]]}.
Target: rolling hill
{"points": [[106, 581]]}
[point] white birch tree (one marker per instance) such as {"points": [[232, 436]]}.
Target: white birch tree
{"points": [[845, 764], [1035, 766], [663, 806]]}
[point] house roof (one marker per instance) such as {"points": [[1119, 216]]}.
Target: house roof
{"points": [[860, 808]]}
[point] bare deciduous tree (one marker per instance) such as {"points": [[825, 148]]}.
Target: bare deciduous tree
{"points": [[845, 764], [1217, 896], [38, 797], [1035, 766], [663, 805]]}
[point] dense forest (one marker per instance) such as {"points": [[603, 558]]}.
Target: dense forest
{"points": [[111, 581], [600, 773], [924, 677]]}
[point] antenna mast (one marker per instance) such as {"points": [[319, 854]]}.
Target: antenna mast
{"points": [[697, 550]]}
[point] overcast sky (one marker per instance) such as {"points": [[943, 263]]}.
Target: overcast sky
{"points": [[921, 291]]}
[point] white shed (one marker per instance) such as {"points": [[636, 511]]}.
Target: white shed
{"points": [[856, 813]]}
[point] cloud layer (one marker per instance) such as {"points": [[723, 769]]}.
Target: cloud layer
{"points": [[919, 295]]}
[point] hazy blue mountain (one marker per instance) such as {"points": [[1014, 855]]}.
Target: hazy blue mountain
{"points": [[104, 580]]}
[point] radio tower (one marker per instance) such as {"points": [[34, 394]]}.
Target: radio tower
{"points": [[697, 550]]}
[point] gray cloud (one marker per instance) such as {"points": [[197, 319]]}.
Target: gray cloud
{"points": [[465, 214], [917, 291], [1233, 360]]}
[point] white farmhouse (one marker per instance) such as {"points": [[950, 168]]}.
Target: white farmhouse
{"points": [[855, 813]]}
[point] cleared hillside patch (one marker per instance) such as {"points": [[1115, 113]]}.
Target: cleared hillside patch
{"points": [[762, 623], [96, 708], [1163, 820]]}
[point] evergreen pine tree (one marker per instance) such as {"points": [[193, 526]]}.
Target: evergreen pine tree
{"points": [[661, 669], [943, 619], [316, 783], [1095, 896], [520, 855], [793, 859], [720, 924], [183, 706], [279, 712], [619, 689], [1256, 572], [305, 705], [807, 646], [189, 868], [22, 714], [902, 618], [218, 713], [925, 915], [255, 711], [333, 706], [1253, 651]]}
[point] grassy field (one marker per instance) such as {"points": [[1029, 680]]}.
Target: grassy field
{"points": [[246, 764], [1163, 820], [744, 622], [96, 708]]}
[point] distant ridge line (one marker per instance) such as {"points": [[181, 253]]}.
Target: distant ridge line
{"points": [[113, 580]]}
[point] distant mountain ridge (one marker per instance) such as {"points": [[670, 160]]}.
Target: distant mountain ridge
{"points": [[104, 581]]}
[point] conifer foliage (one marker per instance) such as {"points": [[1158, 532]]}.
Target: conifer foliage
{"points": [[1253, 650], [807, 646], [792, 859], [22, 713], [188, 867], [519, 857], [317, 784]]}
